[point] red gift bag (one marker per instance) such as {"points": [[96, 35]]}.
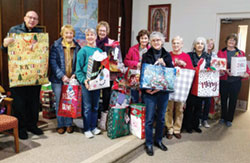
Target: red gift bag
{"points": [[71, 101]]}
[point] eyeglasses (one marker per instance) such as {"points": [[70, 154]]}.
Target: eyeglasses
{"points": [[30, 17], [156, 40]]}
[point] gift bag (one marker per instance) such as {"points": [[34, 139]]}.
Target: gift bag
{"points": [[118, 122], [114, 54], [206, 83], [98, 71], [71, 101], [157, 77], [47, 99], [28, 59], [238, 66], [118, 99], [133, 78], [218, 63], [183, 83], [137, 120], [102, 123]]}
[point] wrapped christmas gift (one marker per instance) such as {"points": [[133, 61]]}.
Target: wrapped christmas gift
{"points": [[118, 122], [218, 63], [114, 54], [238, 66], [157, 77], [183, 83], [28, 59], [137, 120], [71, 101], [98, 71]]}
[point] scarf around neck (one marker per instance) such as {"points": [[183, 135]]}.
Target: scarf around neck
{"points": [[100, 43]]}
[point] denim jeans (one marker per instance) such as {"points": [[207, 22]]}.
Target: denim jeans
{"points": [[61, 121], [156, 103], [206, 108], [90, 108], [134, 96]]}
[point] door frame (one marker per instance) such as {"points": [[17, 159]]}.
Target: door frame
{"points": [[220, 16]]}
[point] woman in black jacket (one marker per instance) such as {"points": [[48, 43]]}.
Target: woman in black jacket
{"points": [[153, 97], [194, 103]]}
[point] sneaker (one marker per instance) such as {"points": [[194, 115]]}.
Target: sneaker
{"points": [[222, 121], [205, 124], [228, 124], [96, 131], [88, 134], [36, 131], [200, 124]]}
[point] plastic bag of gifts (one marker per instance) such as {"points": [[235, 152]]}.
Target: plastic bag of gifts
{"points": [[238, 66], [137, 120], [118, 122], [115, 57], [98, 71], [71, 101], [206, 81], [133, 78], [157, 77]]}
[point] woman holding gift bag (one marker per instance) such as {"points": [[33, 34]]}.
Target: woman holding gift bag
{"points": [[174, 114], [102, 41], [194, 103], [156, 98], [134, 56], [90, 98], [230, 85], [62, 61]]}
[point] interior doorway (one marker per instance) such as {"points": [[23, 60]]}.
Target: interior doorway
{"points": [[241, 26]]}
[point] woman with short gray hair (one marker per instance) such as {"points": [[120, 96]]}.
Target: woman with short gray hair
{"points": [[194, 103], [154, 97]]}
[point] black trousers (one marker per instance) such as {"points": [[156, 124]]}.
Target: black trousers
{"points": [[192, 112], [229, 92], [26, 105]]}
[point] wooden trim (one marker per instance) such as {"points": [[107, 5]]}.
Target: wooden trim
{"points": [[1, 53]]}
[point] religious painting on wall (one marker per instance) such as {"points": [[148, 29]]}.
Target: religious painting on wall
{"points": [[159, 19], [28, 59], [81, 14]]}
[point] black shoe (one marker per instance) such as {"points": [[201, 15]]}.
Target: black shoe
{"points": [[36, 131], [161, 146], [189, 131], [22, 134], [198, 130], [149, 150]]}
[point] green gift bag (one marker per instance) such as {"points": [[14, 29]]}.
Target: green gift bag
{"points": [[118, 122]]}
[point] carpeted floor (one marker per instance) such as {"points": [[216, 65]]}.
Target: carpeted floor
{"points": [[217, 144]]}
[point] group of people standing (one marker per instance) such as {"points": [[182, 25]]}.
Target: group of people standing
{"points": [[68, 61]]}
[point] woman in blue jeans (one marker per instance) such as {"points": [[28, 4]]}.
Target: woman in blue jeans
{"points": [[90, 98], [62, 61], [156, 101]]}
